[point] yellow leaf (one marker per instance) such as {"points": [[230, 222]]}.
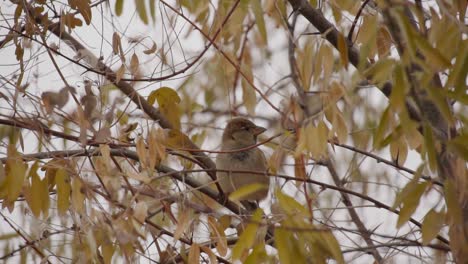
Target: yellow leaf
{"points": [[432, 56], [107, 252], [152, 49], [454, 210], [15, 176], [290, 205], [77, 196], [184, 220], [142, 152], [399, 150], [247, 238], [258, 255], [248, 93], [399, 90], [246, 190], [37, 187], [217, 232], [433, 222], [140, 211], [177, 139], [62, 180], [156, 149], [283, 244], [381, 71], [3, 181], [429, 146], [343, 49], [411, 202], [168, 100], [299, 169], [194, 254], [258, 12], [384, 42], [333, 247], [339, 126]]}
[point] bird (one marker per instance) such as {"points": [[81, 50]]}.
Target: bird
{"points": [[241, 133]]}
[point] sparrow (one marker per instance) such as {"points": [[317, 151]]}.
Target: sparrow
{"points": [[241, 133]]}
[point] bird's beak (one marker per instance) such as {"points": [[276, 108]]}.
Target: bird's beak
{"points": [[258, 130]]}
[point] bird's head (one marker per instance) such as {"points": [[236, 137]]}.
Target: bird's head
{"points": [[241, 133]]}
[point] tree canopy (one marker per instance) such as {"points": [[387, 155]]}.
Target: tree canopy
{"points": [[111, 115]]}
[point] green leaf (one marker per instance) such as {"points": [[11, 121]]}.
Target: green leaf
{"points": [[152, 4], [119, 7], [141, 10]]}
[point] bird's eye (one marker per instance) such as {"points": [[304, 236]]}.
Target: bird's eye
{"points": [[245, 128]]}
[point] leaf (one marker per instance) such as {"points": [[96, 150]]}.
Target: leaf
{"points": [[134, 64], [458, 73], [142, 152], [119, 7], [343, 49], [332, 246], [151, 50], [141, 10], [153, 10], [410, 203], [115, 43], [83, 7], [429, 145], [246, 190], [432, 56], [156, 148], [184, 220], [119, 73], [258, 255], [258, 12], [433, 222], [381, 71], [399, 90], [217, 232], [15, 176], [77, 195], [247, 238], [290, 205], [140, 212], [168, 100], [283, 244], [454, 210], [62, 180], [194, 254], [399, 150], [249, 96], [384, 42]]}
